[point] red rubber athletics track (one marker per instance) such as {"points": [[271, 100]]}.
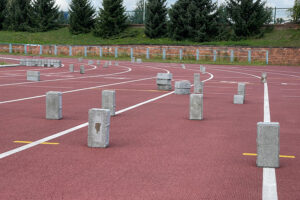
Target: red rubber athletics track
{"points": [[155, 151]]}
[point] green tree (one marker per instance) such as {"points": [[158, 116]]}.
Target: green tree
{"points": [[296, 12], [194, 20], [46, 14], [137, 17], [82, 16], [156, 20], [2, 12], [19, 16], [247, 16], [111, 19]]}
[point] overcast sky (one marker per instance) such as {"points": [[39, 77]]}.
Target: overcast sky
{"points": [[130, 4]]}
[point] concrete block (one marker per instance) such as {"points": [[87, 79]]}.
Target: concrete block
{"points": [[133, 60], [71, 67], [116, 63], [183, 66], [80, 59], [98, 62], [90, 62], [33, 76], [197, 83], [82, 69], [109, 101], [139, 60], [196, 106], [164, 76], [242, 89], [182, 87], [105, 65], [268, 144], [238, 99], [163, 81], [264, 77], [53, 105], [202, 69], [109, 63], [164, 87], [98, 129]]}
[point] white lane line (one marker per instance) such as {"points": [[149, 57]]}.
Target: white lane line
{"points": [[51, 137], [269, 190]]}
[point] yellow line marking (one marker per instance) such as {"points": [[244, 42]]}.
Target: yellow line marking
{"points": [[28, 142], [281, 156]]}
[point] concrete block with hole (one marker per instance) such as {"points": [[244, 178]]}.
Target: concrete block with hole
{"points": [[109, 101], [268, 141], [71, 67], [98, 129], [82, 71], [238, 99], [33, 76], [196, 106], [53, 105], [182, 87]]}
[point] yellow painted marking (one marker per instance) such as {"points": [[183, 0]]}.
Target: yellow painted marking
{"points": [[28, 142], [281, 156]]}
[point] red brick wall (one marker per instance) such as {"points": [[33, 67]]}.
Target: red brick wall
{"points": [[278, 56]]}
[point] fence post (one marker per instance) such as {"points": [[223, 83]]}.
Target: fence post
{"points": [[249, 56], [232, 56], [41, 49], [100, 49], [275, 15], [164, 53], [215, 55], [85, 52], [25, 48], [267, 57], [70, 50], [55, 50], [10, 48], [131, 52], [180, 54], [197, 54], [148, 54], [116, 52]]}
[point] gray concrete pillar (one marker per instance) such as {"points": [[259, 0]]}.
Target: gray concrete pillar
{"points": [[71, 67], [268, 144], [182, 87], [33, 76], [109, 101], [53, 105], [197, 83], [202, 69], [242, 89], [264, 77], [238, 99], [133, 60], [196, 106], [82, 69], [98, 129]]}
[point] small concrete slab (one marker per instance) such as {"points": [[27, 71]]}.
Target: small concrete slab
{"points": [[238, 99], [182, 87], [33, 76]]}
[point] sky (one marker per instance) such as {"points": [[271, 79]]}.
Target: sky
{"points": [[130, 4]]}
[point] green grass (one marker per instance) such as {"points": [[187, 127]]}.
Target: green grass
{"points": [[276, 38], [2, 63]]}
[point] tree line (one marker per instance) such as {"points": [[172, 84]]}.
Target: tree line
{"points": [[196, 20]]}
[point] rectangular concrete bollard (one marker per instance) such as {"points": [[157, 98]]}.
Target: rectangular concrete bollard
{"points": [[53, 105], [238, 99], [90, 62], [197, 83], [109, 63], [182, 87], [202, 69], [183, 66], [116, 63], [98, 62], [164, 81], [139, 60], [82, 69], [264, 77], [196, 106], [80, 59], [33, 76], [242, 89], [133, 60], [71, 67], [268, 144], [109, 101], [98, 129], [105, 65]]}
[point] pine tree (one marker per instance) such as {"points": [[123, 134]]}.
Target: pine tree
{"points": [[46, 14], [296, 12], [111, 19], [19, 16], [82, 16], [247, 16], [156, 20], [2, 12], [194, 20]]}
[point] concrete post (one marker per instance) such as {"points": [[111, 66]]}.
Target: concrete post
{"points": [[264, 77], [196, 106], [249, 56], [232, 56], [164, 53], [131, 52], [41, 49], [82, 69], [267, 57], [268, 144], [132, 59], [238, 99], [109, 101], [242, 89], [33, 76], [98, 130], [10, 48], [197, 54], [105, 65], [25, 48], [148, 54], [180, 54], [197, 83], [85, 52], [100, 50], [70, 50], [55, 50], [53, 105], [80, 59], [71, 67], [139, 60], [183, 66], [116, 52], [215, 55]]}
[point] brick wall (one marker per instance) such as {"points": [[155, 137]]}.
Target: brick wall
{"points": [[277, 56]]}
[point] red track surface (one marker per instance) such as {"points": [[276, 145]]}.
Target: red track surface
{"points": [[155, 151]]}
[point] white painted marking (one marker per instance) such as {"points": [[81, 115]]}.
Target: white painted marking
{"points": [[51, 137], [283, 83]]}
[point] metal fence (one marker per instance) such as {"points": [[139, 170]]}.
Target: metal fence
{"points": [[200, 54], [281, 15]]}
